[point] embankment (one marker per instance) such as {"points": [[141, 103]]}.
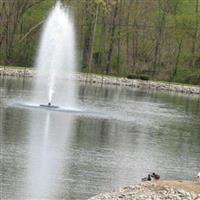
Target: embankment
{"points": [[110, 80]]}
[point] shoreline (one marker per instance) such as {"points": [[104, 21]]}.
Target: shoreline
{"points": [[110, 80], [154, 190]]}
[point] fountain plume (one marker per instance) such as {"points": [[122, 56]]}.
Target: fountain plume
{"points": [[55, 62]]}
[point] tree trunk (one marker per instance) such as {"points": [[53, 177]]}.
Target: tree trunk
{"points": [[92, 40], [110, 50], [196, 34], [159, 30], [127, 38], [134, 41], [177, 59]]}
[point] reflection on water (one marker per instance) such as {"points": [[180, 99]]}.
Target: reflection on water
{"points": [[57, 155], [47, 153]]}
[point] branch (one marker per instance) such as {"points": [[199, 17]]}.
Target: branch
{"points": [[31, 30]]}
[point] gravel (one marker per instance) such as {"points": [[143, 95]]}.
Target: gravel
{"points": [[148, 191]]}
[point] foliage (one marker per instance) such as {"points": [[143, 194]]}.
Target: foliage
{"points": [[121, 37], [188, 75]]}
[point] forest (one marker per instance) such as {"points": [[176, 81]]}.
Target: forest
{"points": [[148, 39]]}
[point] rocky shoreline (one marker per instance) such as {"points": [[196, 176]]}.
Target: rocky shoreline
{"points": [[158, 190], [109, 80], [17, 72]]}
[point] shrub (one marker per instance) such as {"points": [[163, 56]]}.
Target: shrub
{"points": [[144, 77], [133, 76], [188, 75], [138, 76], [192, 79]]}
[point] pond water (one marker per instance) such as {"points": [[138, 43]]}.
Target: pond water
{"points": [[122, 135]]}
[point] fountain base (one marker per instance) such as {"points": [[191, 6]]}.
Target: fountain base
{"points": [[49, 106]]}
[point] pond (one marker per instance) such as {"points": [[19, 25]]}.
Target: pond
{"points": [[122, 135]]}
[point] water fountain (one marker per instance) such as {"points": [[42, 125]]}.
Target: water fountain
{"points": [[55, 62]]}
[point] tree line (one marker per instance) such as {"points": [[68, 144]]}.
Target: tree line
{"points": [[156, 39]]}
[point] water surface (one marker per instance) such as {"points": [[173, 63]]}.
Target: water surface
{"points": [[122, 135]]}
